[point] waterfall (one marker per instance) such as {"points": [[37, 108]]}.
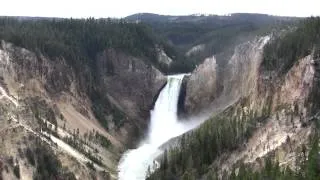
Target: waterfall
{"points": [[164, 125]]}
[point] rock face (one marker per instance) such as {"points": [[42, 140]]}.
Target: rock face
{"points": [[202, 86], [209, 84], [33, 85], [128, 83], [279, 104], [288, 117], [242, 71], [19, 65], [298, 82], [163, 57], [129, 80]]}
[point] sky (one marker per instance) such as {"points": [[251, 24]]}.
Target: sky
{"points": [[123, 8]]}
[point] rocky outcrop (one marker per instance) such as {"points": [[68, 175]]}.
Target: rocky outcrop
{"points": [[20, 66], [285, 100], [129, 80], [211, 85], [120, 82], [278, 103], [242, 71], [288, 124], [201, 86], [163, 58], [297, 83]]}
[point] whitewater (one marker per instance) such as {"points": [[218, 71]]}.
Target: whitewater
{"points": [[164, 125]]}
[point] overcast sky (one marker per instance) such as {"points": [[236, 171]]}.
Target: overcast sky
{"points": [[122, 8]]}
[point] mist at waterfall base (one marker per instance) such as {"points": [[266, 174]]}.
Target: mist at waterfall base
{"points": [[164, 125]]}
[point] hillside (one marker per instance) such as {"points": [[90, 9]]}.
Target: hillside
{"points": [[75, 94], [62, 88], [269, 127], [196, 37]]}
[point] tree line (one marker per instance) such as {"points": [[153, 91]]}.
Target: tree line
{"points": [[283, 51], [198, 149]]}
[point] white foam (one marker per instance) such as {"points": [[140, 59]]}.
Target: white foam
{"points": [[164, 125]]}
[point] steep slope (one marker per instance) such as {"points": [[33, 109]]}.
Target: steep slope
{"points": [[268, 120], [212, 85], [74, 94], [83, 110]]}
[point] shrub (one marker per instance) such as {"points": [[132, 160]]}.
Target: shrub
{"points": [[16, 171]]}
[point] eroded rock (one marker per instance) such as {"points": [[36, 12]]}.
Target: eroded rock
{"points": [[201, 86]]}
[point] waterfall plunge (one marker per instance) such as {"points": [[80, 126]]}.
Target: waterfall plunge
{"points": [[164, 126]]}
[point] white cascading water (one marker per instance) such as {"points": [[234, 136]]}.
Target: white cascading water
{"points": [[164, 125]]}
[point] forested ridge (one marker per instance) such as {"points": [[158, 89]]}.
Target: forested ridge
{"points": [[284, 50], [216, 33], [79, 40], [216, 40]]}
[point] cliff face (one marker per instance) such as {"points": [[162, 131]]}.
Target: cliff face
{"points": [[36, 90], [288, 125], [19, 65], [129, 81], [201, 87], [283, 102], [242, 70], [211, 85]]}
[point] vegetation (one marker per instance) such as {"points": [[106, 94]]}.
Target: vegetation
{"points": [[44, 115], [185, 35], [78, 42], [47, 165], [283, 51], [16, 171], [193, 158], [307, 168], [102, 109], [30, 156], [198, 149], [215, 32], [90, 165], [1, 167], [104, 142], [86, 145], [216, 40], [77, 143]]}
